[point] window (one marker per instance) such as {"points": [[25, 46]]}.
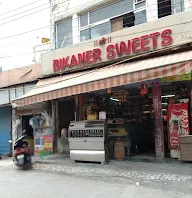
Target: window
{"points": [[96, 31], [85, 35], [98, 22], [100, 30], [134, 18], [128, 20], [110, 11], [84, 20], [169, 7], [64, 36], [140, 17], [140, 4], [164, 8], [177, 6]]}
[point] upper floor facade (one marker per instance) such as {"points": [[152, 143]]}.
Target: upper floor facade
{"points": [[74, 21], [17, 82]]}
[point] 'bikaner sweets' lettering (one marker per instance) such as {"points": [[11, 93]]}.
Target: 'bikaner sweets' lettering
{"points": [[133, 46]]}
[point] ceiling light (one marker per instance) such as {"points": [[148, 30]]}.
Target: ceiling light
{"points": [[168, 96], [114, 99]]}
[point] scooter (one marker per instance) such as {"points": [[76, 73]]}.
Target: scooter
{"points": [[22, 154]]}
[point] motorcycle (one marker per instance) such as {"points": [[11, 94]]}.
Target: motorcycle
{"points": [[22, 154]]}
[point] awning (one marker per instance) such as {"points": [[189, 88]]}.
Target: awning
{"points": [[110, 76]]}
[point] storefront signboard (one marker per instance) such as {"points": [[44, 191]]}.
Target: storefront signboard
{"points": [[169, 31], [176, 78], [43, 134], [38, 145], [43, 145]]}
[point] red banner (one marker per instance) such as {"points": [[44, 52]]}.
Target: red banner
{"points": [[178, 123]]}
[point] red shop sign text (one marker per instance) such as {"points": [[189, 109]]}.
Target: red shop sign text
{"points": [[113, 51]]}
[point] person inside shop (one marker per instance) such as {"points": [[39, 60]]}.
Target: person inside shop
{"points": [[131, 128]]}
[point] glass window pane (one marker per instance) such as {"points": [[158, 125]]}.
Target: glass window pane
{"points": [[140, 4], [12, 93], [64, 34], [128, 20], [84, 20], [4, 97], [112, 10], [85, 35], [28, 87], [140, 17], [101, 30], [177, 6], [19, 91]]}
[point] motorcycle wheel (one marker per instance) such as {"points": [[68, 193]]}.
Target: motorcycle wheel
{"points": [[27, 166]]}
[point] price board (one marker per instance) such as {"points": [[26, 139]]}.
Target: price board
{"points": [[176, 78]]}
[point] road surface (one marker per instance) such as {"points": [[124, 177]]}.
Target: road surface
{"points": [[40, 182]]}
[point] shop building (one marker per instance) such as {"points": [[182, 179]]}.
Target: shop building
{"points": [[13, 84], [131, 77]]}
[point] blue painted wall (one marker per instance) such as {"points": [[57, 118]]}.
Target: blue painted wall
{"points": [[5, 128]]}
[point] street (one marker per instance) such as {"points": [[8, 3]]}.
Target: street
{"points": [[90, 181]]}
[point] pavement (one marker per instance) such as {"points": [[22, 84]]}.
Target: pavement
{"points": [[56, 177]]}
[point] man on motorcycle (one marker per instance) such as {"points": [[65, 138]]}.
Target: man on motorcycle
{"points": [[22, 155]]}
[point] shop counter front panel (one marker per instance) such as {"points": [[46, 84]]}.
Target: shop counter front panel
{"points": [[85, 155], [86, 144], [87, 140]]}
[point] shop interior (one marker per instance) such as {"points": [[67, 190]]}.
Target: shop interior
{"points": [[66, 111], [130, 116]]}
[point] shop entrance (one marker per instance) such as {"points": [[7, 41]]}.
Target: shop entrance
{"points": [[129, 116], [26, 126], [66, 113], [129, 111], [135, 111]]}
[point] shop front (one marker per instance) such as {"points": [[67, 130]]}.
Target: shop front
{"points": [[131, 118], [5, 130], [120, 91], [136, 111], [36, 122]]}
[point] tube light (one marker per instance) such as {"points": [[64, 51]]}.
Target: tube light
{"points": [[114, 99], [167, 96]]}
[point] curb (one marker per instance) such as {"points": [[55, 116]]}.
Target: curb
{"points": [[49, 162]]}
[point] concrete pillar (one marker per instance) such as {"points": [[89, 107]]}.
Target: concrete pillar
{"points": [[159, 134], [75, 29], [16, 127], [187, 5], [14, 135], [54, 126], [151, 10], [57, 119]]}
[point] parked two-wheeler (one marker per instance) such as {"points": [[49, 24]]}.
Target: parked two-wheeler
{"points": [[22, 154]]}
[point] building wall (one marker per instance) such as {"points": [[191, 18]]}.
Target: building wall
{"points": [[62, 9], [10, 93], [13, 84], [20, 75], [17, 114], [5, 129], [189, 4]]}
